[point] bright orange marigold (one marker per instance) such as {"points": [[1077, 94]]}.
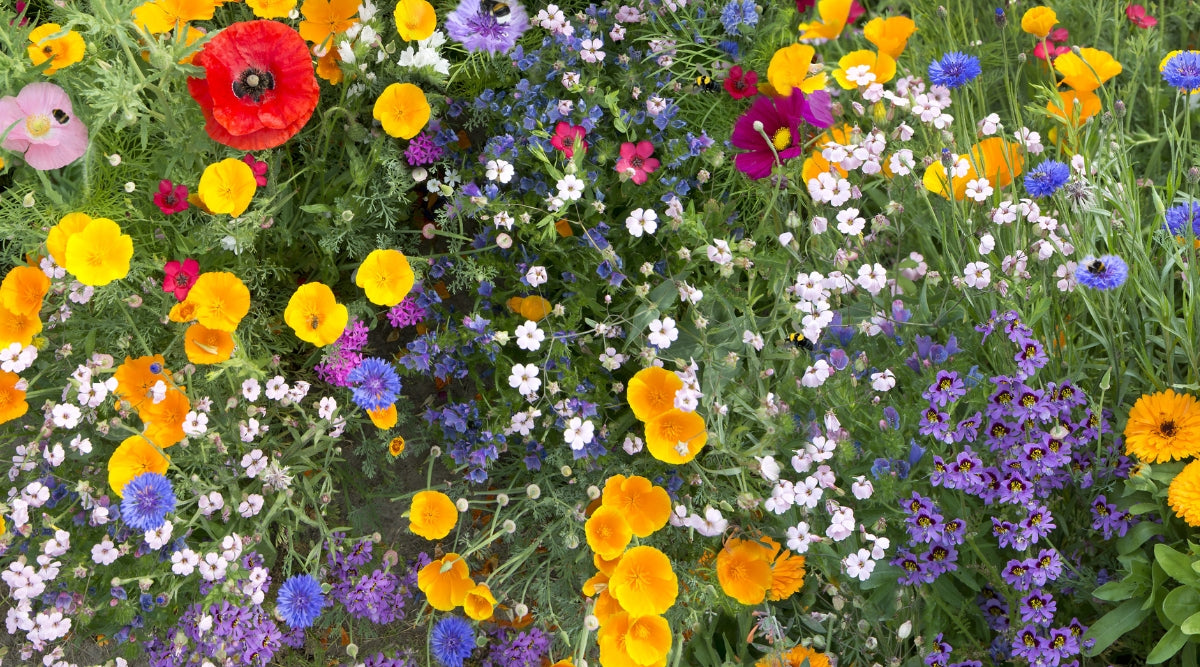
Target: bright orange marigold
{"points": [[1163, 427]]}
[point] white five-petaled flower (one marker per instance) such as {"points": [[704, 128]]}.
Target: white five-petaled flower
{"points": [[529, 336], [590, 50], [524, 378], [663, 332], [641, 221], [277, 388], [65, 415], [195, 423], [977, 275], [719, 252], [570, 188], [816, 375], [499, 170], [883, 380], [537, 275], [850, 222], [579, 433], [979, 189], [859, 565], [251, 389], [709, 525]]}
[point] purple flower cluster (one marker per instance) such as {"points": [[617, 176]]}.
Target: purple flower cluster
{"points": [[509, 648], [939, 655], [406, 313], [933, 535], [1109, 519], [246, 633], [379, 596], [466, 439], [422, 151], [344, 355]]}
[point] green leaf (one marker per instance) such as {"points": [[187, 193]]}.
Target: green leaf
{"points": [[1142, 508], [1168, 646], [1177, 565], [1127, 616], [1115, 591], [1180, 604], [1138, 536], [1191, 625]]}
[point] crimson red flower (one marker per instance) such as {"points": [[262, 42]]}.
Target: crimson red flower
{"points": [[636, 158], [1059, 35], [171, 198], [564, 138], [259, 87], [1138, 16], [741, 85], [259, 169], [180, 277]]}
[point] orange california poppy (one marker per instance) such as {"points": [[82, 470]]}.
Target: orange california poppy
{"points": [[676, 436], [1039, 21], [534, 308], [164, 15], [61, 51], [800, 656], [134, 456], [164, 419], [605, 565], [271, 9], [385, 276], [23, 290], [204, 345], [68, 226], [834, 15], [328, 68], [1088, 106], [607, 532], [135, 377], [597, 583], [1087, 71], [612, 637], [651, 392], [648, 639], [787, 572], [402, 109], [605, 606], [862, 65], [314, 314], [12, 399], [643, 582], [790, 67], [644, 506], [18, 327], [325, 18], [227, 186], [432, 515], [744, 570], [220, 299], [994, 158], [889, 35], [445, 582], [383, 418], [184, 311], [479, 603], [415, 19]]}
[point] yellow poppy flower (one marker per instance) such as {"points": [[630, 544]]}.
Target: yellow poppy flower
{"points": [[676, 436], [328, 69], [445, 582], [1087, 71], [23, 289], [56, 240], [99, 254], [415, 19], [163, 16], [1039, 21], [204, 345], [643, 582], [385, 276], [402, 109], [607, 533], [18, 327], [325, 18], [227, 187], [315, 315], [744, 571], [644, 506], [12, 398], [889, 35], [790, 67], [1088, 103], [432, 515], [271, 9], [648, 639], [184, 311], [834, 15], [479, 602], [651, 392], [396, 446], [220, 300], [383, 418], [134, 456], [994, 158], [862, 68], [61, 51]]}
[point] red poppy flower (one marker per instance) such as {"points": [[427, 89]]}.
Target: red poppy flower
{"points": [[1137, 14], [180, 276], [259, 87], [564, 138], [259, 169], [171, 198], [741, 85]]}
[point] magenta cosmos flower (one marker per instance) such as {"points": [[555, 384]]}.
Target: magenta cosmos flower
{"points": [[777, 121], [636, 158], [44, 126], [180, 276]]}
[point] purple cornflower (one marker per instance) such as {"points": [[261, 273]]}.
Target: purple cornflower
{"points": [[422, 151], [947, 387], [1103, 273], [148, 498], [376, 384], [1046, 178], [300, 601], [1183, 71], [452, 641], [478, 29]]}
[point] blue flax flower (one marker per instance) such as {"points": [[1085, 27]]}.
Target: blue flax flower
{"points": [[1046, 178], [954, 69], [1103, 273], [1183, 71], [300, 601], [376, 384], [1184, 215], [148, 498], [452, 641]]}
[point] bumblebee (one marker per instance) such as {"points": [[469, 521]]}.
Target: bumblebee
{"points": [[61, 116], [705, 83], [800, 341], [1095, 267], [500, 11]]}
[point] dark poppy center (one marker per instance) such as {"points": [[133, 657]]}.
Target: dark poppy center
{"points": [[636, 162], [181, 279], [253, 83]]}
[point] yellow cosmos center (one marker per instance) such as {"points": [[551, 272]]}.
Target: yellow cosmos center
{"points": [[782, 138], [37, 125]]}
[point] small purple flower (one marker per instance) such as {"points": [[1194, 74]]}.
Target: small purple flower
{"points": [[1016, 574], [1031, 357], [915, 571], [478, 29], [939, 653], [1027, 644], [934, 423], [1108, 518], [968, 429], [1005, 531], [924, 527], [940, 559], [947, 387], [1038, 607]]}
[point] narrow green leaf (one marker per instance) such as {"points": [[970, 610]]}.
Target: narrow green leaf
{"points": [[1167, 647], [1127, 616]]}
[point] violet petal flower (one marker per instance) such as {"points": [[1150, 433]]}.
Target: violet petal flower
{"points": [[474, 26]]}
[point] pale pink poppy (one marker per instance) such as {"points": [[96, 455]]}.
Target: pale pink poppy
{"points": [[43, 126]]}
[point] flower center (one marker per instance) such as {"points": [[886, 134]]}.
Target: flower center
{"points": [[37, 125], [782, 138], [636, 162], [1167, 429], [253, 83]]}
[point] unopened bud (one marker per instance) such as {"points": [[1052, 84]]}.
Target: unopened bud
{"points": [[1193, 175], [1119, 109], [1001, 18], [462, 504], [533, 491]]}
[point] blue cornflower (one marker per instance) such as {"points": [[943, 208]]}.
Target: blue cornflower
{"points": [[1183, 71], [1046, 178], [147, 499], [1178, 217], [452, 641], [954, 69], [300, 601], [731, 17], [376, 384], [1103, 273], [749, 13]]}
